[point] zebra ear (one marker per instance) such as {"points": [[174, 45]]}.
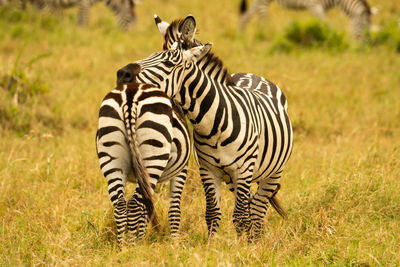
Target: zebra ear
{"points": [[188, 28], [161, 25], [196, 53]]}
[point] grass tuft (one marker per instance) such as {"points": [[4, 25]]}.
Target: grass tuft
{"points": [[24, 99], [388, 34]]}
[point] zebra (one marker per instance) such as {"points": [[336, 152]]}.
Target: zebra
{"points": [[358, 11], [142, 132], [172, 35], [123, 9], [240, 136]]}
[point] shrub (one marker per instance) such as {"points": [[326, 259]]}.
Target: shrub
{"points": [[310, 34], [24, 100], [389, 35]]}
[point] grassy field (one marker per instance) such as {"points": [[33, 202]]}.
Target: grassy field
{"points": [[341, 187]]}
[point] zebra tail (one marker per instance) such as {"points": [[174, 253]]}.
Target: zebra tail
{"points": [[140, 171], [243, 6], [275, 203], [277, 206]]}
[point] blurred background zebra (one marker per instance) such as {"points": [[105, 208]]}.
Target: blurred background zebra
{"points": [[358, 11], [240, 136], [124, 10], [142, 132]]}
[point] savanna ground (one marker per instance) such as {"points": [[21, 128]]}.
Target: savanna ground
{"points": [[340, 188]]}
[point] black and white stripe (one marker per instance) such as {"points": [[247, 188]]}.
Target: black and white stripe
{"points": [[240, 136], [358, 11], [142, 132], [172, 34], [123, 9]]}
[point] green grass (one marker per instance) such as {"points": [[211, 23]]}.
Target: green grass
{"points": [[341, 187]]}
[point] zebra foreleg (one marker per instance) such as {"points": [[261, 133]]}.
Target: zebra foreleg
{"points": [[83, 15], [175, 193], [212, 190], [241, 215], [361, 25]]}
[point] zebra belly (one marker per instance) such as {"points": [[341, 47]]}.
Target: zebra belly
{"points": [[275, 148], [271, 149]]}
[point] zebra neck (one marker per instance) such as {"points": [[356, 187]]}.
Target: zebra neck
{"points": [[207, 105], [204, 94]]}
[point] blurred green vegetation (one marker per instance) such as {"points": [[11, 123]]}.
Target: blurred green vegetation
{"points": [[388, 34], [24, 101], [309, 34]]}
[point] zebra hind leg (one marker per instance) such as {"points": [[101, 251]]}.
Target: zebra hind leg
{"points": [[266, 191], [137, 215], [135, 212], [120, 216], [175, 193], [116, 190], [241, 214]]}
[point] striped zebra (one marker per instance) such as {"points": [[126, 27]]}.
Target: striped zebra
{"points": [[172, 34], [123, 9], [358, 11], [142, 132], [240, 136]]}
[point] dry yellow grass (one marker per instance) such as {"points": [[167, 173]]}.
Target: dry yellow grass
{"points": [[341, 186]]}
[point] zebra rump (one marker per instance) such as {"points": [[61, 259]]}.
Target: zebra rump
{"points": [[142, 133]]}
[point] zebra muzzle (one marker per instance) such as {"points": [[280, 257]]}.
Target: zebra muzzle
{"points": [[128, 73]]}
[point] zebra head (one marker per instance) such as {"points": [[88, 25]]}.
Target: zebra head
{"points": [[182, 31], [166, 69]]}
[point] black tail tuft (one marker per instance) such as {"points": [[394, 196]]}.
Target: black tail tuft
{"points": [[149, 204], [276, 204]]}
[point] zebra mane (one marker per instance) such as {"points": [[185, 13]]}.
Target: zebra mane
{"points": [[217, 63]]}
